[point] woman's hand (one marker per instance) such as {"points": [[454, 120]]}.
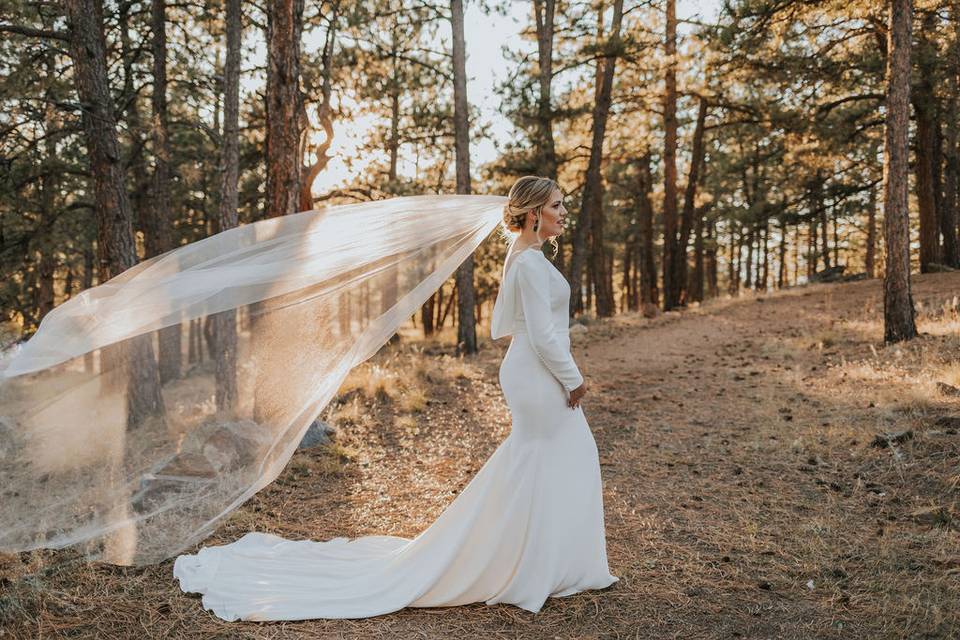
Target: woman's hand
{"points": [[574, 400]]}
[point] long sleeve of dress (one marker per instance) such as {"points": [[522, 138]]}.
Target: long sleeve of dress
{"points": [[533, 282]]}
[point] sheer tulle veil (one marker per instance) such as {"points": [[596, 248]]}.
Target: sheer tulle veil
{"points": [[99, 453]]}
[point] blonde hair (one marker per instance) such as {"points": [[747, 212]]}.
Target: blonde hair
{"points": [[529, 193]]}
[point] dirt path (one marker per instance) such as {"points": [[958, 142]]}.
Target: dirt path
{"points": [[744, 495]]}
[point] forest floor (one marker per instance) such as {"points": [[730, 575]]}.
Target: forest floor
{"points": [[771, 470]]}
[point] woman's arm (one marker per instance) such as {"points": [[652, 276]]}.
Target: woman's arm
{"points": [[533, 282]]}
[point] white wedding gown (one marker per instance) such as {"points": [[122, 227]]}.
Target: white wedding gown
{"points": [[528, 526]]}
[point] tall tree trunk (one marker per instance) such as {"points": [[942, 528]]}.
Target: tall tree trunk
{"points": [[925, 107], [448, 307], [631, 261], [836, 234], [689, 200], [86, 283], [160, 236], [426, 315], [712, 266], [820, 210], [591, 211], [733, 267], [393, 142], [590, 288], [284, 106], [796, 253], [129, 367], [544, 11], [696, 282], [46, 269], [138, 177], [782, 265], [466, 297], [626, 297], [649, 292], [393, 147], [765, 248], [898, 312], [49, 187], [116, 248], [224, 325], [671, 288], [284, 109], [871, 259], [949, 215]]}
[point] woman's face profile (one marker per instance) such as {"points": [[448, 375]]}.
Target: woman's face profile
{"points": [[552, 216]]}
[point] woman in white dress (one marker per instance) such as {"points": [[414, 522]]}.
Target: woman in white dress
{"points": [[528, 526]]}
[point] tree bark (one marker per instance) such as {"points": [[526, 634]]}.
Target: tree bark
{"points": [[820, 211], [898, 311], [925, 107], [133, 361], [466, 296], [591, 211], [649, 292], [631, 259], [712, 276], [733, 266], [626, 284], [284, 109], [284, 106], [871, 250], [782, 255], [948, 226], [690, 195], [129, 367], [427, 312], [393, 142], [695, 286], [138, 176], [764, 271], [224, 324], [544, 11], [159, 238], [49, 188], [671, 288]]}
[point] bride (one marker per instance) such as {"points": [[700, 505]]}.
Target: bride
{"points": [[528, 526]]}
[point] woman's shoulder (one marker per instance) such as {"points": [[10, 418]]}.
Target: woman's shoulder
{"points": [[529, 257], [532, 268]]}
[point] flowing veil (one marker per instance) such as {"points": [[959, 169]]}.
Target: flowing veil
{"points": [[99, 453]]}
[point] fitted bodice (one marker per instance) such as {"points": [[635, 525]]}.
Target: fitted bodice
{"points": [[508, 316], [533, 302]]}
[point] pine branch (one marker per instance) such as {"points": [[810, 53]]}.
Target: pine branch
{"points": [[46, 34]]}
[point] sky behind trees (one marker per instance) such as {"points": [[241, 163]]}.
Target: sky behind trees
{"points": [[486, 35]]}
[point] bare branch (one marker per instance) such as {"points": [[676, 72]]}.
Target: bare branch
{"points": [[46, 34]]}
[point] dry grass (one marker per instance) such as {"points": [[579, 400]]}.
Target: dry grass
{"points": [[747, 493]]}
